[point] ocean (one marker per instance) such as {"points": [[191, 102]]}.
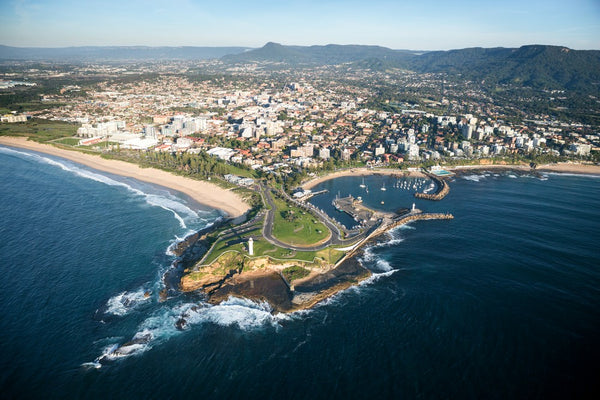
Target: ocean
{"points": [[501, 302]]}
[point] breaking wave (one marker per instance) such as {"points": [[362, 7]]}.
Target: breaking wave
{"points": [[125, 302], [473, 178], [377, 264], [169, 321], [181, 212]]}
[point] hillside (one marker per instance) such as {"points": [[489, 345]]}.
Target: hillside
{"points": [[537, 66], [330, 54]]}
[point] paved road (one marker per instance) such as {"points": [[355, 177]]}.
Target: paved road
{"points": [[325, 219], [335, 238], [268, 228]]}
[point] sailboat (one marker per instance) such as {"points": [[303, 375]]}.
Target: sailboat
{"points": [[362, 185], [383, 188]]}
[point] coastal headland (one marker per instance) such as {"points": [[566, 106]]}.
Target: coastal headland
{"points": [[289, 254], [287, 276]]}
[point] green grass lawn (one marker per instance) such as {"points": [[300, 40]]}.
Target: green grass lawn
{"points": [[297, 227], [262, 248], [39, 130], [68, 141]]}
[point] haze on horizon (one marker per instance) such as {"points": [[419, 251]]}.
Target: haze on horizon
{"points": [[397, 24]]}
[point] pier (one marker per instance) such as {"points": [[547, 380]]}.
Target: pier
{"points": [[388, 224], [442, 189], [361, 213]]}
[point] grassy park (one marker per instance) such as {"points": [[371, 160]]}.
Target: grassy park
{"points": [[297, 227]]}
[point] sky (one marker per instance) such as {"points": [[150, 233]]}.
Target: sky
{"points": [[397, 24]]}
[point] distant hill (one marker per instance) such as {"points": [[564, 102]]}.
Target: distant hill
{"points": [[537, 66], [116, 53], [330, 54]]}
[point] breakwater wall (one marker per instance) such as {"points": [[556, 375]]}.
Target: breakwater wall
{"points": [[442, 189], [391, 225], [417, 217]]}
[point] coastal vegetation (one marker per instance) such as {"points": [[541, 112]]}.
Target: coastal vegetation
{"points": [[294, 272], [40, 130]]}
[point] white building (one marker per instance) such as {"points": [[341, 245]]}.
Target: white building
{"points": [[221, 152], [413, 152], [324, 153], [580, 149]]}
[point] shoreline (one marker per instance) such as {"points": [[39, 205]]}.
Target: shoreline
{"points": [[202, 192], [566, 167], [362, 171]]}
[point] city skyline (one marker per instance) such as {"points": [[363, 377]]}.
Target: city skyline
{"points": [[426, 25]]}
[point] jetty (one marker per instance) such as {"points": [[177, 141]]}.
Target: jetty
{"points": [[442, 189], [388, 224], [358, 211]]}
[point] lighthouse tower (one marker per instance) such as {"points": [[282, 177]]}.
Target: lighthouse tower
{"points": [[251, 246], [413, 208]]}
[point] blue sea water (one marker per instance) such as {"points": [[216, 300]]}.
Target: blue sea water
{"points": [[501, 302]]}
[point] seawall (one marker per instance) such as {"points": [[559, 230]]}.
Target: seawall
{"points": [[442, 189]]}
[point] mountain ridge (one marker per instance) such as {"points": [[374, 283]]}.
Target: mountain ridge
{"points": [[538, 66]]}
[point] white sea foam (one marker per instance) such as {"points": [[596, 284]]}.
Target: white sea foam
{"points": [[90, 365], [394, 238], [242, 313], [474, 178], [377, 276], [8, 150], [383, 265], [173, 245], [169, 321], [577, 175], [125, 302], [182, 213], [374, 261]]}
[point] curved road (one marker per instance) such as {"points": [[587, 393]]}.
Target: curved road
{"points": [[334, 239]]}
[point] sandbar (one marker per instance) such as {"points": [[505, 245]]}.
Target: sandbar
{"points": [[203, 192]]}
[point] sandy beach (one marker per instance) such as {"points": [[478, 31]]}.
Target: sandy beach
{"points": [[360, 172], [202, 192]]}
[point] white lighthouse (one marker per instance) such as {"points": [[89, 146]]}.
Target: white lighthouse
{"points": [[251, 246], [413, 208]]}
